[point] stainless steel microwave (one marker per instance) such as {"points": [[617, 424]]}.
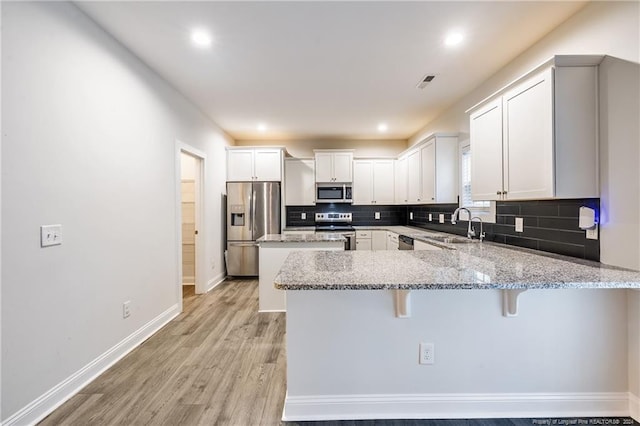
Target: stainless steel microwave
{"points": [[332, 193]]}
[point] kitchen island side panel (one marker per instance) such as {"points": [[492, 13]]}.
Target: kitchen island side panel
{"points": [[348, 343]]}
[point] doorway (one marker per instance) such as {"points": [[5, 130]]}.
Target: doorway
{"points": [[190, 166]]}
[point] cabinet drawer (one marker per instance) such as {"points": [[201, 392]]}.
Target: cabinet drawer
{"points": [[363, 234]]}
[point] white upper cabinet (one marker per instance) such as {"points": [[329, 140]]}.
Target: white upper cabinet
{"points": [[254, 164], [428, 173], [439, 170], [537, 138], [486, 151], [299, 181], [334, 166], [401, 180], [373, 182], [413, 177]]}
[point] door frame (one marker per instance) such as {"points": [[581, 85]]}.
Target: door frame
{"points": [[200, 255]]}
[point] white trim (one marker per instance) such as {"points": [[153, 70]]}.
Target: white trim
{"points": [[215, 281], [271, 310], [63, 391], [452, 406], [634, 407], [200, 269]]}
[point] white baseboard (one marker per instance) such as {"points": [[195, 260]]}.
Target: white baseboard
{"points": [[56, 396], [271, 310], [634, 407], [215, 281], [441, 406]]}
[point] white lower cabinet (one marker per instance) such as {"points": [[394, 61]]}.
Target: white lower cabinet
{"points": [[363, 240], [378, 240], [392, 241]]}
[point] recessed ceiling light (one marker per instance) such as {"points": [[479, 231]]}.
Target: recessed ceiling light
{"points": [[453, 39], [262, 127], [201, 38], [382, 127]]}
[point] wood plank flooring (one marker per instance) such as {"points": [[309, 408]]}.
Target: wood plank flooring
{"points": [[218, 363]]}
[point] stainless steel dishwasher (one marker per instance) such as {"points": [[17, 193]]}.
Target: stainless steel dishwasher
{"points": [[405, 243]]}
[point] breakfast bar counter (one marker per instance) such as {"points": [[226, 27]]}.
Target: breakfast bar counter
{"points": [[532, 334]]}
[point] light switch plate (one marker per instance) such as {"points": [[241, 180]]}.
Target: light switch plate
{"points": [[50, 235], [441, 218], [303, 216], [592, 234], [430, 217], [519, 224], [376, 215]]}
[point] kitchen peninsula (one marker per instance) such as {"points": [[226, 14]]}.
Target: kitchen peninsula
{"points": [[274, 249], [356, 319]]}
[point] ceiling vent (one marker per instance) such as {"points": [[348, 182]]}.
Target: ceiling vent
{"points": [[424, 81]]}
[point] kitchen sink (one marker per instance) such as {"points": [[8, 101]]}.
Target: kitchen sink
{"points": [[451, 239]]}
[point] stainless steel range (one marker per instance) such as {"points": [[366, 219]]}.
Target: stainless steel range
{"points": [[339, 223]]}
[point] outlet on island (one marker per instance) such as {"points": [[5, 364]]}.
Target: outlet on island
{"points": [[376, 215]]}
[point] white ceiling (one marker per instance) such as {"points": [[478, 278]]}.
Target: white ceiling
{"points": [[327, 70]]}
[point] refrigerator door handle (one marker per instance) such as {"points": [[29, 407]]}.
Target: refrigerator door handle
{"points": [[253, 212]]}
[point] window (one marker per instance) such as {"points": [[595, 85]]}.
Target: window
{"points": [[484, 209]]}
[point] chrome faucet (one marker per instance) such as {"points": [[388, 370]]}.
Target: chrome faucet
{"points": [[482, 234], [456, 214]]}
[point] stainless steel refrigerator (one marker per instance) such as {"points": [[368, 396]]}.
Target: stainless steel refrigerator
{"points": [[253, 210]]}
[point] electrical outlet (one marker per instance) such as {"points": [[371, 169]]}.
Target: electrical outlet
{"points": [[126, 309], [303, 216], [376, 215], [410, 215], [519, 224], [592, 234], [427, 353], [441, 218], [430, 217], [50, 235]]}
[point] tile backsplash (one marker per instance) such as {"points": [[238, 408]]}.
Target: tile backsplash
{"points": [[549, 225], [362, 215]]}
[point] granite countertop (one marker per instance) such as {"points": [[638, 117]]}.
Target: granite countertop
{"points": [[299, 228], [318, 237], [464, 266]]}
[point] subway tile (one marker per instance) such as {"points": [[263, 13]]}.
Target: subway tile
{"points": [[561, 236], [573, 250], [504, 209], [531, 209], [558, 223], [521, 242]]}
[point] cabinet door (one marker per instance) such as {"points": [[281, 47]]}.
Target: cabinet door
{"points": [[240, 165], [300, 184], [392, 241], [378, 240], [363, 244], [413, 177], [383, 181], [428, 162], [401, 181], [486, 151], [324, 167], [363, 182], [528, 139], [342, 166], [446, 169], [268, 164]]}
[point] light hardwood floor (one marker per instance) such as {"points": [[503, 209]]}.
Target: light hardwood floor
{"points": [[218, 363]]}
